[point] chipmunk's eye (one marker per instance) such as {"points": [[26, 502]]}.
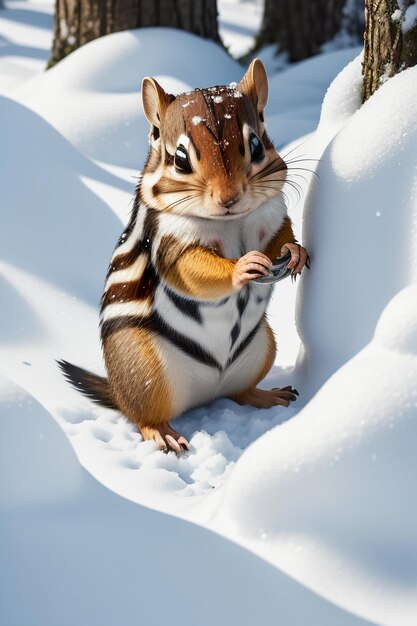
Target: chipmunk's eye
{"points": [[257, 151], [181, 160]]}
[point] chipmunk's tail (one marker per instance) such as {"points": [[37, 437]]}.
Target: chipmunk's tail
{"points": [[96, 388]]}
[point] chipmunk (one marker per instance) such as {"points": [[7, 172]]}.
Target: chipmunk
{"points": [[182, 323]]}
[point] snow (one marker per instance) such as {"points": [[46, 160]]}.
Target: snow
{"points": [[93, 96], [376, 258], [338, 510], [239, 21], [26, 39], [397, 15], [313, 508], [76, 553], [196, 120], [410, 18]]}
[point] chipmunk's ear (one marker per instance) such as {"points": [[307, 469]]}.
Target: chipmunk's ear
{"points": [[255, 84], [155, 101]]}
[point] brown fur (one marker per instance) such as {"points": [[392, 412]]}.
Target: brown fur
{"points": [[283, 236], [197, 272], [212, 119], [137, 377]]}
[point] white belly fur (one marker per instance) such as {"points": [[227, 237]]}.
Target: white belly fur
{"points": [[193, 382]]}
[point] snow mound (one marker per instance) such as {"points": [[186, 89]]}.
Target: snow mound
{"points": [[359, 225], [343, 99], [296, 94], [93, 96], [53, 216], [329, 496], [397, 327], [26, 40], [56, 514]]}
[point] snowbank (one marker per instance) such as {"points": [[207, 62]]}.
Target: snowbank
{"points": [[296, 94], [75, 553], [26, 39], [330, 495], [359, 223], [93, 96]]}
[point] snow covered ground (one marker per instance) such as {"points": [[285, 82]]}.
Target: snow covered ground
{"points": [[326, 497]]}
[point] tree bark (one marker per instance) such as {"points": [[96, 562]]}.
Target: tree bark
{"points": [[300, 27], [80, 21], [390, 41]]}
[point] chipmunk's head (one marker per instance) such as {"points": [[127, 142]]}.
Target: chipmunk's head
{"points": [[210, 155]]}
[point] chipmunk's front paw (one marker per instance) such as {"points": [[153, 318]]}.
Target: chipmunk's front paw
{"points": [[299, 257], [253, 265], [165, 438]]}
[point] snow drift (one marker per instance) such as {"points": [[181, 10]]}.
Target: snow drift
{"points": [[93, 96], [329, 495], [75, 553]]}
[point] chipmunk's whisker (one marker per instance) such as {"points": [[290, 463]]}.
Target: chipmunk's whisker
{"points": [[266, 195], [304, 169], [295, 186], [270, 168], [188, 201], [275, 190], [301, 159], [177, 203], [284, 180], [294, 148], [291, 183]]}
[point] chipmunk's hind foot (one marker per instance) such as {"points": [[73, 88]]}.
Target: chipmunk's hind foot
{"points": [[265, 399], [166, 438], [96, 388]]}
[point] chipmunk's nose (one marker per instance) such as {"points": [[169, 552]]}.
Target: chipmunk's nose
{"points": [[228, 200]]}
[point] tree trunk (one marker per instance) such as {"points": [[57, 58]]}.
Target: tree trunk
{"points": [[390, 41], [300, 27], [80, 21]]}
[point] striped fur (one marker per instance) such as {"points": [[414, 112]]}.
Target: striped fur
{"points": [[205, 338], [175, 331]]}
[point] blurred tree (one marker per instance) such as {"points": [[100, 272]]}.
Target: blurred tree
{"points": [[300, 27], [390, 41], [80, 21]]}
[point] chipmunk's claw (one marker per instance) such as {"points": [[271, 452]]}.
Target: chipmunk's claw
{"points": [[177, 445], [287, 393], [184, 443], [166, 438], [291, 389]]}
